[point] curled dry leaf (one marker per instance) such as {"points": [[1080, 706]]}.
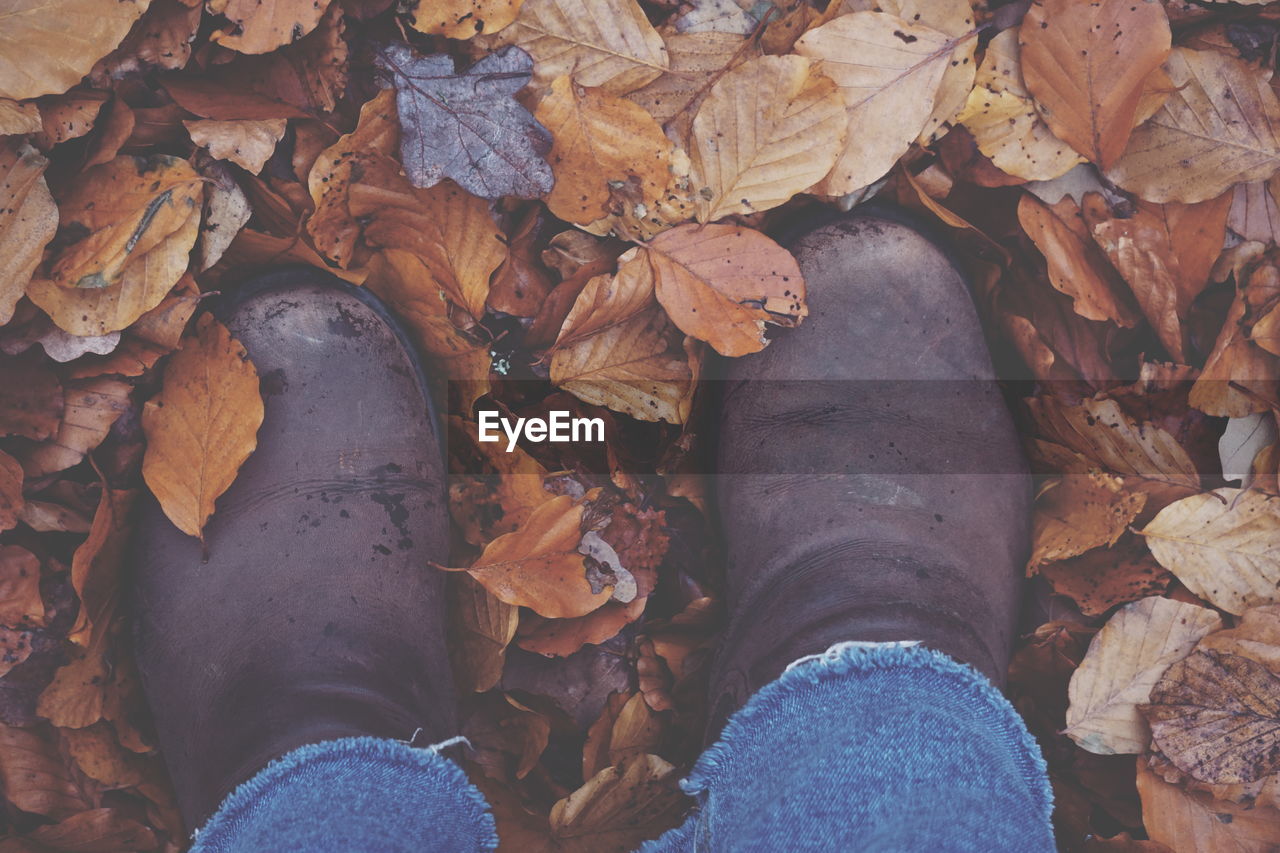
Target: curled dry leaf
{"points": [[1223, 545], [481, 628], [11, 501], [1199, 144], [20, 603], [35, 777], [468, 126], [697, 61], [608, 44], [463, 19], [161, 40], [46, 46], [263, 27], [226, 210], [28, 219], [1216, 716], [1080, 512], [1187, 821], [1239, 377], [619, 807], [1165, 252], [248, 144], [722, 283], [768, 129], [95, 568], [91, 407], [202, 426], [888, 71], [618, 349], [1088, 66], [69, 116], [1077, 267], [1123, 663], [1100, 579], [538, 566], [600, 139], [18, 117], [563, 637], [627, 727], [1254, 214], [1004, 120], [30, 400]]}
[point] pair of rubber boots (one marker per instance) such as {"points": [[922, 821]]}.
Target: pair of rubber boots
{"points": [[870, 487]]}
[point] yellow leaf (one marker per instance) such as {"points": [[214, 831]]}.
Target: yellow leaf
{"points": [[608, 44], [1200, 143], [697, 59], [247, 143], [202, 426], [463, 19], [770, 128], [1125, 660], [889, 72], [600, 139], [28, 219], [46, 46], [722, 283], [1223, 545], [258, 27]]}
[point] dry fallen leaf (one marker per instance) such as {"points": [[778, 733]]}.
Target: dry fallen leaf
{"points": [[263, 27], [248, 144], [607, 44], [1004, 120], [1223, 545], [1239, 377], [46, 46], [539, 566], [618, 349], [1077, 513], [889, 72], [1188, 822], [90, 408], [722, 283], [1124, 661], [11, 501], [463, 19], [28, 219], [1087, 67], [202, 426], [697, 61], [768, 129], [1165, 252], [18, 117], [481, 628], [1100, 579], [1200, 143], [599, 139], [21, 605], [35, 777], [619, 807]]}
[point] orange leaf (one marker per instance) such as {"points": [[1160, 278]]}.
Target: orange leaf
{"points": [[202, 426]]}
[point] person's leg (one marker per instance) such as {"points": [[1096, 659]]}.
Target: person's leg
{"points": [[311, 629], [871, 489]]}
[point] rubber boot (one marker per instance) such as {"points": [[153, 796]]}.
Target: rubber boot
{"points": [[315, 615], [871, 484]]}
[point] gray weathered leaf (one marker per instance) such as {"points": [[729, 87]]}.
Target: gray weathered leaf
{"points": [[467, 126]]}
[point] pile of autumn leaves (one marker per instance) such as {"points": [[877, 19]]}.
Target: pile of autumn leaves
{"points": [[149, 150]]}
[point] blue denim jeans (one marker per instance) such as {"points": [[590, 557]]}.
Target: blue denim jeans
{"points": [[862, 748]]}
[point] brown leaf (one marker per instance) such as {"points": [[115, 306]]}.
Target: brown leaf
{"points": [[507, 737], [697, 61], [97, 752], [768, 129], [46, 47], [889, 72], [563, 637], [97, 831], [1185, 821], [28, 219], [619, 807], [202, 426], [599, 139], [618, 349], [91, 407], [1165, 252], [539, 566], [76, 696], [1087, 67], [248, 144], [627, 727], [30, 400], [11, 501], [1201, 143], [1123, 663], [18, 117], [1100, 579], [1224, 545], [1077, 267], [153, 335], [481, 628], [1216, 716], [1004, 121], [722, 283], [69, 116], [521, 284], [95, 567], [161, 39], [1077, 513], [1239, 377], [610, 46], [35, 777], [20, 603], [463, 19], [263, 27], [1254, 214]]}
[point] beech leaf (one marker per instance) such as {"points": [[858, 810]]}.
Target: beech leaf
{"points": [[468, 126]]}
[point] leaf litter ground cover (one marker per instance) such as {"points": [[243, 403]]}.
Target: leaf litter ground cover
{"points": [[569, 203]]}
